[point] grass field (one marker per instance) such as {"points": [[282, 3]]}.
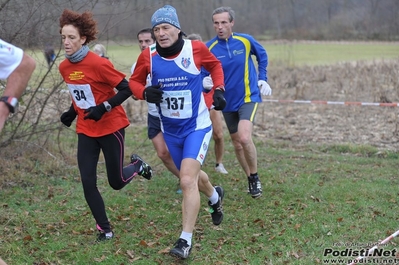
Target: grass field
{"points": [[281, 54], [294, 53], [317, 198], [319, 53]]}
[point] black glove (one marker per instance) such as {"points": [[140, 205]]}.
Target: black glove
{"points": [[153, 94], [69, 116], [95, 113], [218, 100]]}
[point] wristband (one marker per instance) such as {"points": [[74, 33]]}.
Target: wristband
{"points": [[11, 102]]}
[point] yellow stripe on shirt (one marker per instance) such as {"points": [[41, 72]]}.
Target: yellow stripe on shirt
{"points": [[247, 46]]}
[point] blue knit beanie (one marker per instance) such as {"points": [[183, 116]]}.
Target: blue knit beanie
{"points": [[166, 14]]}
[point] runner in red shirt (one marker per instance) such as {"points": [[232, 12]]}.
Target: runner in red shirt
{"points": [[101, 122]]}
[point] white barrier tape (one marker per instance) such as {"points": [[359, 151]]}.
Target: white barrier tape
{"points": [[324, 102], [371, 250]]}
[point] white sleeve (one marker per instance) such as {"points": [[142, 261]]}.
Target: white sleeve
{"points": [[148, 76], [10, 58], [132, 70]]}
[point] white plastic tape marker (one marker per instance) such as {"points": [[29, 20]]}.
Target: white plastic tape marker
{"points": [[324, 102], [371, 250]]}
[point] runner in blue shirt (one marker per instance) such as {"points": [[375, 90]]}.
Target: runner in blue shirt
{"points": [[244, 86]]}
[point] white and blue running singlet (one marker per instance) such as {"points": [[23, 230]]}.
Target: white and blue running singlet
{"points": [[183, 108], [184, 116]]}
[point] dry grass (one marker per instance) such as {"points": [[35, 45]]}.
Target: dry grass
{"points": [[315, 123]]}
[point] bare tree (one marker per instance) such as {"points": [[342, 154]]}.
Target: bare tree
{"points": [[32, 24]]}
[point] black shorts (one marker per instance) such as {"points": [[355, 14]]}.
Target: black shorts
{"points": [[153, 125], [245, 112]]}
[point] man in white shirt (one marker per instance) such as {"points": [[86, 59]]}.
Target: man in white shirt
{"points": [[17, 67]]}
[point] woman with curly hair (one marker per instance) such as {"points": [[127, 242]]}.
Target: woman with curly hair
{"points": [[101, 120]]}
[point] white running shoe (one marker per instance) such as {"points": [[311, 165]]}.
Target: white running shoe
{"points": [[220, 168]]}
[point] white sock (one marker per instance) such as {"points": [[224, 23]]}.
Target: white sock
{"points": [[215, 197], [109, 235], [187, 236]]}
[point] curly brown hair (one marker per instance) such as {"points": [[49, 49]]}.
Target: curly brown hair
{"points": [[84, 22]]}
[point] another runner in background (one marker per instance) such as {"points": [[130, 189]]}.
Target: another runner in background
{"points": [[244, 86], [216, 118], [100, 50]]}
